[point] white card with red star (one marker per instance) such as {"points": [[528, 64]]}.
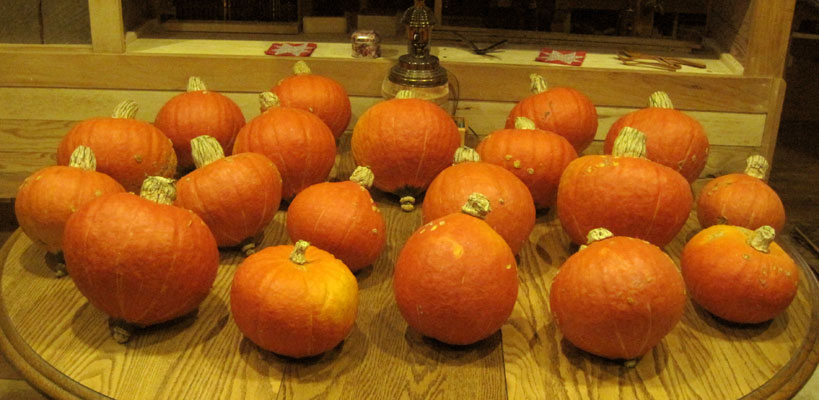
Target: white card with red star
{"points": [[291, 49], [574, 58]]}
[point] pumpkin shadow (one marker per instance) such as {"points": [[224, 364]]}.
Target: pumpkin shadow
{"points": [[711, 325], [428, 351], [39, 262], [637, 370]]}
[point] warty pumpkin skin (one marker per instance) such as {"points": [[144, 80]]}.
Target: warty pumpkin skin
{"points": [[138, 260], [294, 300], [738, 274], [126, 149], [617, 297]]}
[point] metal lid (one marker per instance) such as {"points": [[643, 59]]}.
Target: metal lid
{"points": [[419, 15]]}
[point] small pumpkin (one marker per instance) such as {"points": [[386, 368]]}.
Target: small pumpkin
{"points": [[617, 297], [738, 274], [537, 157], [673, 138], [237, 196], [563, 110], [139, 259], [318, 94], [127, 149], [406, 142], [49, 196], [513, 210], [456, 279], [341, 218], [741, 199], [626, 193], [294, 300], [298, 142], [198, 111]]}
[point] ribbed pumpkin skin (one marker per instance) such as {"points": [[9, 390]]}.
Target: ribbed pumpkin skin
{"points": [[340, 218], [513, 211], [564, 111], [405, 142], [535, 156], [236, 196], [456, 280], [298, 142], [734, 281], [672, 138], [741, 200], [140, 261], [127, 150], [617, 298], [320, 95], [290, 309], [629, 196], [49, 196], [191, 114]]}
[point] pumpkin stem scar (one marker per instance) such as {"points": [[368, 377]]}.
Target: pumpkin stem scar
{"points": [[195, 84], [477, 206], [363, 176], [121, 330], [298, 255], [158, 189], [762, 238], [249, 246]]}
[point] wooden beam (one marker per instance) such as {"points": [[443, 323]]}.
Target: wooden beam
{"points": [[769, 37], [107, 29]]}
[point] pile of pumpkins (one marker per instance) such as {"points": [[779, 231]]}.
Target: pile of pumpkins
{"points": [[143, 247]]}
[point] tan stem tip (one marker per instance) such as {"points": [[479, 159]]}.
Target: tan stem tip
{"points": [[524, 123], [756, 166], [660, 99], [83, 157], [477, 205], [195, 84], [407, 203], [363, 176], [158, 189], [762, 238], [405, 94], [537, 84], [466, 154], [596, 235], [268, 100], [205, 150], [301, 68], [630, 143], [299, 253], [126, 109]]}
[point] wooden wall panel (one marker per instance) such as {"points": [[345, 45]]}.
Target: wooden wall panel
{"points": [[66, 22], [20, 22]]}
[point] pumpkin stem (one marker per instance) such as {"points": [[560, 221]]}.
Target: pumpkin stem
{"points": [[596, 235], [121, 330], [158, 189], [756, 166], [301, 68], [407, 203], [127, 109], [660, 99], [537, 84], [630, 143], [195, 84], [269, 100], [524, 123], [762, 238], [405, 94], [83, 157], [465, 154], [205, 150], [477, 205], [299, 253], [363, 176]]}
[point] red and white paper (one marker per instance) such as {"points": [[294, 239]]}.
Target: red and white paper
{"points": [[291, 49], [567, 57]]}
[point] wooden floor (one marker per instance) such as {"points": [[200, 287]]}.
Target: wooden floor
{"points": [[793, 176]]}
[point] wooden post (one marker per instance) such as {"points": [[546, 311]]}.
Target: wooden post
{"points": [[769, 37], [107, 28]]}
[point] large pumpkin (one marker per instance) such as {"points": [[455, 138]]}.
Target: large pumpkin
{"points": [[298, 142], [318, 94], [617, 297], [341, 218], [562, 110], [139, 259], [513, 210], [456, 279], [296, 301], [741, 199], [535, 156], [237, 196], [738, 274], [196, 112], [673, 138], [49, 196], [127, 149], [626, 193], [406, 142]]}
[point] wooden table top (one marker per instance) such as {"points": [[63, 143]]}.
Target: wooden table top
{"points": [[61, 343]]}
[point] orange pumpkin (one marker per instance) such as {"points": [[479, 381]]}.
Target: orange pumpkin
{"points": [[127, 149], [406, 142], [296, 301], [318, 94], [341, 218], [562, 110], [456, 279], [49, 196], [738, 274], [674, 139], [535, 156], [298, 142], [617, 297], [236, 196], [513, 210], [139, 259], [741, 199], [626, 193], [198, 111]]}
